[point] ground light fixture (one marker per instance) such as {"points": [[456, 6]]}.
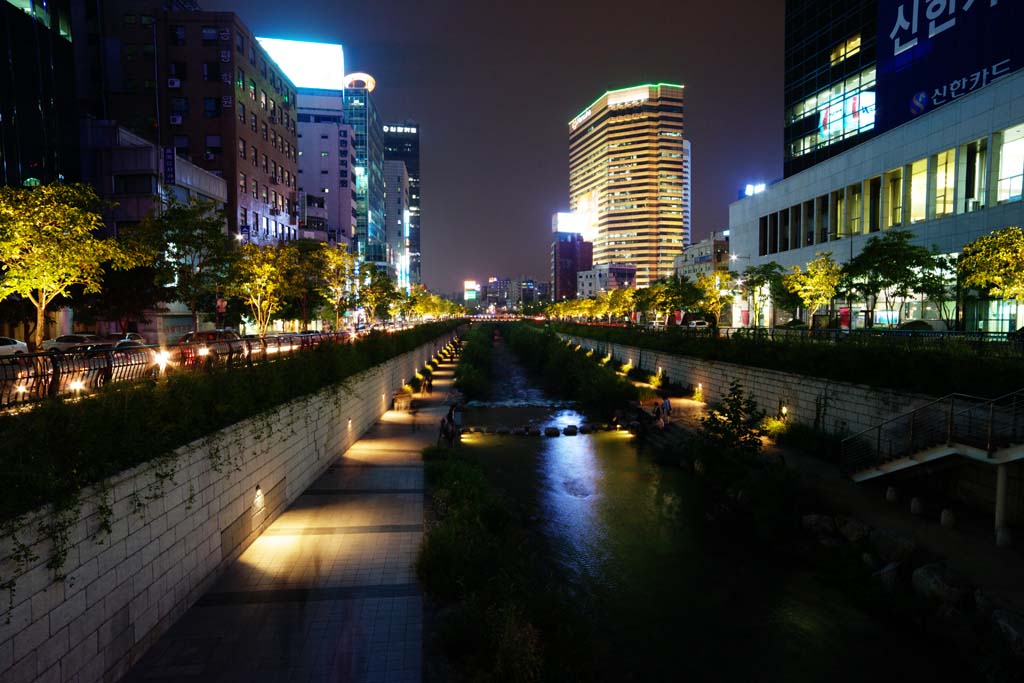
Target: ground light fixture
{"points": [[163, 357], [204, 351], [77, 385]]}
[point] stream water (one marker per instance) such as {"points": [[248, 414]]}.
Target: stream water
{"points": [[663, 600]]}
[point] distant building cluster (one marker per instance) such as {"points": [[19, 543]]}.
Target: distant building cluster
{"points": [[146, 97]]}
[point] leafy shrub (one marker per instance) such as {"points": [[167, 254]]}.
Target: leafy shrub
{"points": [[472, 375], [475, 556]]}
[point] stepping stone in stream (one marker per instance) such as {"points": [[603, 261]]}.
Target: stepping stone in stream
{"points": [[551, 431]]}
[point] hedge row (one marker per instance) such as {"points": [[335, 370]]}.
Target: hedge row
{"points": [[49, 453], [927, 370]]}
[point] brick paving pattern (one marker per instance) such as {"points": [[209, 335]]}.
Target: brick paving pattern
{"points": [[328, 591]]}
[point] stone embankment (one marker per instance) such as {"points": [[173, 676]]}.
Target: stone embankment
{"points": [[901, 566], [144, 545]]}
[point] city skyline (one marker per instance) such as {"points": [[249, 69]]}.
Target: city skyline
{"points": [[494, 153]]}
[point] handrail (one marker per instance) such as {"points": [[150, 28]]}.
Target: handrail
{"points": [[990, 430], [901, 416]]}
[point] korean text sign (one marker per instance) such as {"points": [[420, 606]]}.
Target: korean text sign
{"points": [[931, 52]]}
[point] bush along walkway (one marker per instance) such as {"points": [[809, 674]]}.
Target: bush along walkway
{"points": [[328, 591]]}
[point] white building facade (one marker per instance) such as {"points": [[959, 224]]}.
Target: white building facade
{"points": [[397, 220], [603, 278], [326, 162], [949, 176]]}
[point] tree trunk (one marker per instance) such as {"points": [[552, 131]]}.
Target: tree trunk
{"points": [[40, 326], [195, 316]]}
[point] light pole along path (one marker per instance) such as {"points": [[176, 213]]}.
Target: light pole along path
{"points": [[328, 592]]}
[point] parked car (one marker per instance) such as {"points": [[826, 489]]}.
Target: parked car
{"points": [[214, 343], [698, 325], [12, 347], [70, 342], [125, 336]]}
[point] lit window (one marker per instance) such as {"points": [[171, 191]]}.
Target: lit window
{"points": [[944, 175], [918, 190], [845, 50], [1011, 165]]}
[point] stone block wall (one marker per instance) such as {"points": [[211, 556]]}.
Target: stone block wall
{"points": [[839, 408], [175, 524]]}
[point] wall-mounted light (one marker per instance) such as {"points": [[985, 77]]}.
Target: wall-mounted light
{"points": [[258, 501]]}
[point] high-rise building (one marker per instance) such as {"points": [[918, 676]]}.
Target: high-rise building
{"points": [[38, 117], [326, 191], [829, 78], [402, 143], [397, 220], [200, 83], [570, 254], [629, 178], [326, 159], [362, 115]]}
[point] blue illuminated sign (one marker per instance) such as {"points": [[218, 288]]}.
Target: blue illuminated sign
{"points": [[931, 52]]}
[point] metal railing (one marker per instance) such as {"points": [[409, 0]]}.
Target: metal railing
{"points": [[30, 377], [986, 424]]}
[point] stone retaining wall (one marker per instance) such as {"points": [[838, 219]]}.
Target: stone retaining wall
{"points": [[171, 537], [835, 407]]}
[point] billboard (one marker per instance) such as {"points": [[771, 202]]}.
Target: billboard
{"points": [[470, 290], [308, 65], [931, 52]]}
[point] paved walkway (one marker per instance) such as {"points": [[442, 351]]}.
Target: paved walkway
{"points": [[328, 591]]}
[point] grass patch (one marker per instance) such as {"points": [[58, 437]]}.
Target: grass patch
{"points": [[477, 560]]}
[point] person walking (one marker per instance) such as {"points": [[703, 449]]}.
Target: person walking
{"points": [[667, 407]]}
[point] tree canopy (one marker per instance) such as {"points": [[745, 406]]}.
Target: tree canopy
{"points": [[995, 263], [816, 286], [49, 243]]}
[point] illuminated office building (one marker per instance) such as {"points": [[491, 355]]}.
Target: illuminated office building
{"points": [[629, 178], [402, 143], [362, 115], [326, 149], [829, 78], [945, 158]]}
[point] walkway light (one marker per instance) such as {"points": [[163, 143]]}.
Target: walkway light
{"points": [[204, 351], [163, 357], [77, 385]]}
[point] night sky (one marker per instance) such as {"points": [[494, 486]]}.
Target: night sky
{"points": [[494, 84]]}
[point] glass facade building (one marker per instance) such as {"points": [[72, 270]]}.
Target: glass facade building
{"points": [[38, 112], [362, 115], [829, 79]]}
